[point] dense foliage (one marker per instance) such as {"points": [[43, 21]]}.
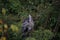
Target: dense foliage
{"points": [[45, 13]]}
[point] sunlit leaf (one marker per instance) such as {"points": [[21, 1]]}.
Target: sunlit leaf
{"points": [[3, 11], [14, 28], [1, 22], [5, 26], [1, 30], [3, 38]]}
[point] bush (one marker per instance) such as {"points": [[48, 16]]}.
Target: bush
{"points": [[30, 38], [42, 34]]}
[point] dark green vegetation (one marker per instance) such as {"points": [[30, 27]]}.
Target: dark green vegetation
{"points": [[45, 13]]}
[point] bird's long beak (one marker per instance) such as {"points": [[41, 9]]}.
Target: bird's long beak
{"points": [[30, 18]]}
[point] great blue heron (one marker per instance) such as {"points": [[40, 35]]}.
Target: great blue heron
{"points": [[27, 25]]}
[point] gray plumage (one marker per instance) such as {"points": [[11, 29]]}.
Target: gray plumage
{"points": [[27, 25]]}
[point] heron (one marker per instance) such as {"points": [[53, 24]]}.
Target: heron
{"points": [[27, 25]]}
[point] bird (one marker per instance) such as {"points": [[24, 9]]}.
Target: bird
{"points": [[27, 25]]}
